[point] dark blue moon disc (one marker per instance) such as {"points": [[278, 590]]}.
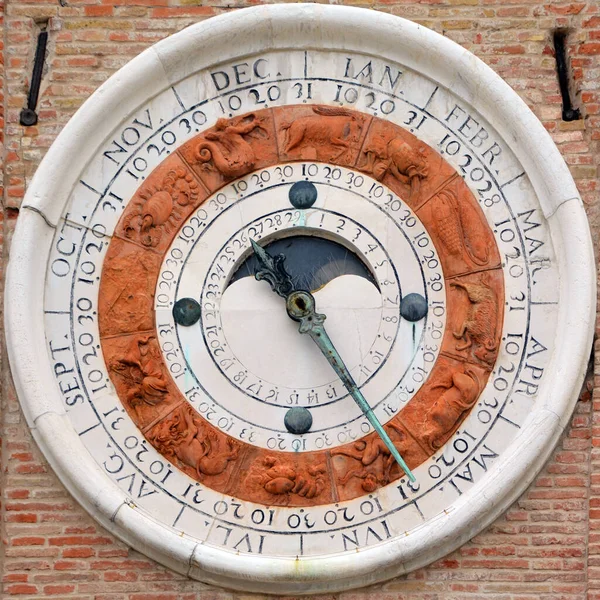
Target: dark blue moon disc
{"points": [[413, 307], [303, 194], [298, 420], [186, 312]]}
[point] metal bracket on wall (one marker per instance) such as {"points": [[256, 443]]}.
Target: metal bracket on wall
{"points": [[28, 115], [569, 113]]}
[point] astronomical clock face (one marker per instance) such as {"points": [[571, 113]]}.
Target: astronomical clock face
{"points": [[186, 409]]}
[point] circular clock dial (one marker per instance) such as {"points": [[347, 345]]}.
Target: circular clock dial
{"points": [[212, 429], [252, 345]]}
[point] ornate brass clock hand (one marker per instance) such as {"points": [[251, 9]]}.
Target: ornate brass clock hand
{"points": [[273, 271], [300, 307]]}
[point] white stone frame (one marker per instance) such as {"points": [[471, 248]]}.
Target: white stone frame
{"points": [[277, 27]]}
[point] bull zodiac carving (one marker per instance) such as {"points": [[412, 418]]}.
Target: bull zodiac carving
{"points": [[478, 330]]}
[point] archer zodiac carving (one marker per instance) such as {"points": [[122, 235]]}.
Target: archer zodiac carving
{"points": [[157, 208], [225, 147], [141, 367], [477, 333], [398, 158], [376, 461], [460, 390], [281, 480], [327, 134], [460, 228], [186, 438]]}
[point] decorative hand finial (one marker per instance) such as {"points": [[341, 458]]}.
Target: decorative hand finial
{"points": [[273, 271]]}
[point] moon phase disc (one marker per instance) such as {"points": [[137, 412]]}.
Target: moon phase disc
{"points": [[186, 312]]}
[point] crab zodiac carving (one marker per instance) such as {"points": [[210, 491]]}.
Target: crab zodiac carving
{"points": [[158, 209], [281, 480]]}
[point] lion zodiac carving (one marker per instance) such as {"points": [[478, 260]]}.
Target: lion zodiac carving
{"points": [[184, 437]]}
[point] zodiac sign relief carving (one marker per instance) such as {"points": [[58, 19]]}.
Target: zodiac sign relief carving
{"points": [[159, 208], [401, 161], [226, 149], [281, 480], [460, 229], [328, 134], [141, 367], [460, 387], [186, 439], [127, 289], [476, 334], [376, 465], [398, 158]]}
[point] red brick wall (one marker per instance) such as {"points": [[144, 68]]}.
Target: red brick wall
{"points": [[547, 546]]}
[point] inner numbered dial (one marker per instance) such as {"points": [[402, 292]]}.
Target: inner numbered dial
{"points": [[373, 270]]}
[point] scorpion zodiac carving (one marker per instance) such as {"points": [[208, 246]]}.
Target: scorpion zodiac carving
{"points": [[157, 210]]}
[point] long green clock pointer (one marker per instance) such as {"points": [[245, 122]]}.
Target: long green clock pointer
{"points": [[300, 307]]}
